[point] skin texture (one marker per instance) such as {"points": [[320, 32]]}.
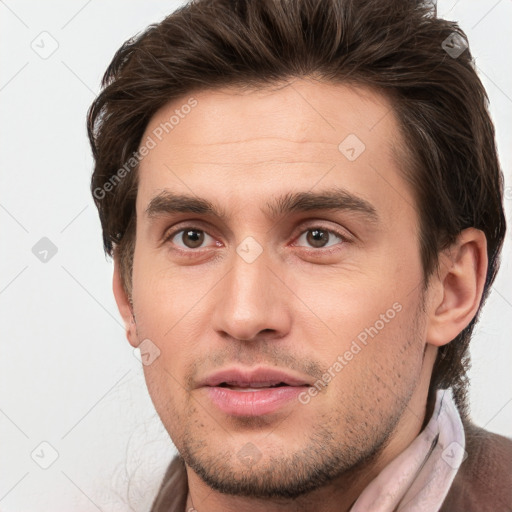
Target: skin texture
{"points": [[300, 303]]}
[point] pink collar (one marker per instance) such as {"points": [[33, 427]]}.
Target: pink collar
{"points": [[420, 477]]}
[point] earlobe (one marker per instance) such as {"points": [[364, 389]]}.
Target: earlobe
{"points": [[458, 288], [124, 306]]}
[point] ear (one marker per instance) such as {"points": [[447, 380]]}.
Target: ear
{"points": [[124, 305], [457, 288]]}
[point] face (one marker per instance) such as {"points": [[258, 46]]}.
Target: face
{"points": [[277, 242]]}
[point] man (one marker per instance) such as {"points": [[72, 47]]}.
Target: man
{"points": [[304, 205]]}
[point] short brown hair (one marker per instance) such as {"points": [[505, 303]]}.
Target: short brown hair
{"points": [[395, 46]]}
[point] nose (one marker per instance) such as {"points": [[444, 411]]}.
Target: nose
{"points": [[252, 301]]}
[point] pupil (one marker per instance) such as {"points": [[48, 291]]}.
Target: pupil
{"points": [[317, 238], [195, 236]]}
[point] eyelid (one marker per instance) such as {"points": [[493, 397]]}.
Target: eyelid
{"points": [[197, 224], [343, 233]]}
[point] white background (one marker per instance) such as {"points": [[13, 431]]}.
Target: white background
{"points": [[67, 374]]}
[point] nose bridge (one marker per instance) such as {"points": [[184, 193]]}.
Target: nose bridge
{"points": [[250, 300]]}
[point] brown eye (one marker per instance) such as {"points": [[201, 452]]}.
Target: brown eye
{"points": [[319, 238], [188, 238], [192, 238]]}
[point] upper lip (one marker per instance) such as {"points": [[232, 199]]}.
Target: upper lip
{"points": [[245, 377]]}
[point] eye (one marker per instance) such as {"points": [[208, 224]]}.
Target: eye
{"points": [[318, 237], [190, 238]]}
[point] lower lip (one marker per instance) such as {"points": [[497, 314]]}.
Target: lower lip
{"points": [[253, 403]]}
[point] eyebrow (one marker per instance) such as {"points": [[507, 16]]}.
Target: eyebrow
{"points": [[336, 199]]}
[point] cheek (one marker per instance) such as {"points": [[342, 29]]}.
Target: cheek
{"points": [[166, 396], [379, 292], [169, 312], [164, 295], [380, 365], [395, 344], [343, 310], [367, 332]]}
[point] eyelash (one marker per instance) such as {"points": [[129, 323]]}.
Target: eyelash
{"points": [[191, 252]]}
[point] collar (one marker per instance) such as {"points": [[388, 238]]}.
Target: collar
{"points": [[420, 477]]}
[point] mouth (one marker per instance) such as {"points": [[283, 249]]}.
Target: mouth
{"points": [[255, 392], [259, 377], [254, 386]]}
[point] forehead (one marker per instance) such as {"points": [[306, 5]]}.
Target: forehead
{"points": [[229, 143]]}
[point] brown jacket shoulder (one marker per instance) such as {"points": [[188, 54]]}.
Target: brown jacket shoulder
{"points": [[484, 480], [172, 495]]}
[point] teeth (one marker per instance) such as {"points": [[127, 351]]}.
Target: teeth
{"points": [[237, 388], [253, 386]]}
